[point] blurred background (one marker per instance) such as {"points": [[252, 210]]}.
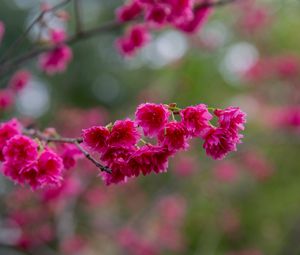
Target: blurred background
{"points": [[246, 55]]}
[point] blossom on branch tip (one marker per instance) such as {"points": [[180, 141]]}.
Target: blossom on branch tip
{"points": [[232, 119], [218, 143]]}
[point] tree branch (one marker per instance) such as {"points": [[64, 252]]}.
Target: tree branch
{"points": [[11, 65], [76, 141]]}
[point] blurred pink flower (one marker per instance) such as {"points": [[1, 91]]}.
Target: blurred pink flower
{"points": [[56, 60], [226, 171], [19, 80], [2, 30], [186, 165]]}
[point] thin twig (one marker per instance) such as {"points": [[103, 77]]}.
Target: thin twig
{"points": [[92, 159], [76, 141]]}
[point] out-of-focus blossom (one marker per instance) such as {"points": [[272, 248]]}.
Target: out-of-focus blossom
{"points": [[258, 165], [226, 171], [19, 80], [2, 30], [56, 60], [136, 37], [6, 99], [186, 165]]}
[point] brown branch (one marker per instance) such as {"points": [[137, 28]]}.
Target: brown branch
{"points": [[10, 65], [76, 141], [92, 159]]}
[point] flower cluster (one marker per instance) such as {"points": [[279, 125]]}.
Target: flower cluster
{"points": [[119, 144], [25, 161], [186, 15], [31, 157]]}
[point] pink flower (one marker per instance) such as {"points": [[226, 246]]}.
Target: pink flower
{"points": [[20, 150], [157, 14], [134, 244], [124, 134], [218, 143], [186, 165], [96, 138], [200, 17], [29, 174], [116, 159], [115, 177], [19, 80], [70, 155], [147, 159], [255, 18], [55, 60], [173, 136], [287, 66], [232, 119], [50, 167], [128, 12], [226, 172], [57, 36], [2, 30], [12, 171], [172, 208], [152, 118], [258, 165], [136, 37], [180, 11], [196, 119], [6, 99], [7, 131]]}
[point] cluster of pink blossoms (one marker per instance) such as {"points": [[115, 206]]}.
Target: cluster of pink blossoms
{"points": [[186, 15], [118, 144], [122, 150], [28, 161]]}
